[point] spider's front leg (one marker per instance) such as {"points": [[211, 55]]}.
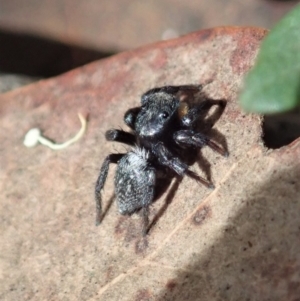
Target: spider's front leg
{"points": [[112, 158], [166, 158], [120, 136], [189, 137]]}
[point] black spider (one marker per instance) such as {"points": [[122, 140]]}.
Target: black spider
{"points": [[163, 135]]}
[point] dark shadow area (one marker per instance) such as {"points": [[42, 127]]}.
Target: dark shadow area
{"points": [[281, 129], [170, 196], [257, 256], [205, 166], [38, 57], [107, 208], [207, 118]]}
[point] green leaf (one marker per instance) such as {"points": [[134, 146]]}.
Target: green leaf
{"points": [[273, 85]]}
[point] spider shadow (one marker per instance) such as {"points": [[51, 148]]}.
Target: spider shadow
{"points": [[107, 208], [205, 122], [167, 202], [205, 126], [191, 156]]}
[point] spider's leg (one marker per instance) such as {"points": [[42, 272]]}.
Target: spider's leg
{"points": [[112, 158], [166, 158], [189, 137], [192, 115], [120, 136]]}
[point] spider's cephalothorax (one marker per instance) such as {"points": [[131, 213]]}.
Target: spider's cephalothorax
{"points": [[163, 129]]}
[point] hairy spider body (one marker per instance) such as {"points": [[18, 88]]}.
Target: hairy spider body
{"points": [[164, 131]]}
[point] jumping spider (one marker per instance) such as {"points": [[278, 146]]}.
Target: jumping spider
{"points": [[163, 133]]}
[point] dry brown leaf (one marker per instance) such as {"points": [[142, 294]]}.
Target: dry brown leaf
{"points": [[237, 242]]}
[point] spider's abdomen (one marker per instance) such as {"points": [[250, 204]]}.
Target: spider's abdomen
{"points": [[134, 181]]}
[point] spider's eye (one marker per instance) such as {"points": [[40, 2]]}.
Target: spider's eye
{"points": [[164, 115]]}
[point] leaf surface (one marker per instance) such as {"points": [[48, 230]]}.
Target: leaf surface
{"points": [[236, 242]]}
